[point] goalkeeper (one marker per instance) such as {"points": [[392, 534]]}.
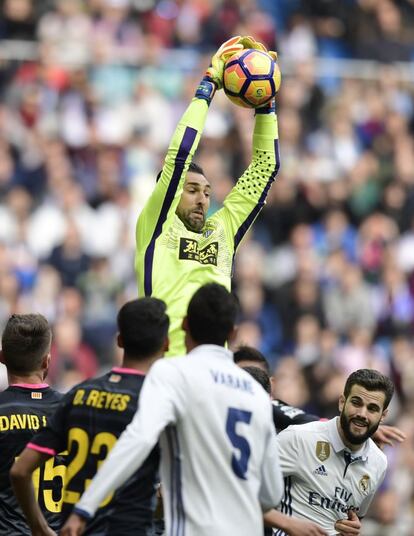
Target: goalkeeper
{"points": [[177, 249]]}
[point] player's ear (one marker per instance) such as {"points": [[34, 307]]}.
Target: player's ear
{"points": [[232, 335], [184, 325], [384, 414], [341, 403], [46, 364], [119, 341], [46, 361], [166, 345], [272, 386]]}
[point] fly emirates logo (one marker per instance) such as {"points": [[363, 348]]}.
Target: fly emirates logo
{"points": [[339, 502]]}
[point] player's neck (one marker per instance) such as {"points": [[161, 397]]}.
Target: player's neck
{"points": [[142, 365], [190, 345], [34, 378]]}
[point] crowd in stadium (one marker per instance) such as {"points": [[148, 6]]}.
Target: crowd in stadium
{"points": [[325, 278]]}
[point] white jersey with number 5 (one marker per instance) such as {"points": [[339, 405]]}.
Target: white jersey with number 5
{"points": [[219, 461]]}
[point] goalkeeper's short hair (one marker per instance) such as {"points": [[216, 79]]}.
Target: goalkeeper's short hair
{"points": [[192, 168]]}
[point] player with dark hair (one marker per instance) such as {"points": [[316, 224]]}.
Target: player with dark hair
{"points": [[370, 380], [284, 415], [204, 310], [25, 407], [178, 248], [88, 423], [333, 469], [260, 376], [218, 470], [247, 356]]}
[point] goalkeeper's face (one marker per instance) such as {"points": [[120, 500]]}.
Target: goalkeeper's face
{"points": [[195, 200]]}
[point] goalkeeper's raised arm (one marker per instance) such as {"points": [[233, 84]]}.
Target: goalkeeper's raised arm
{"points": [[177, 248]]}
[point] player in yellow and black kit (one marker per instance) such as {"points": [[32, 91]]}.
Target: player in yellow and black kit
{"points": [[25, 408], [90, 419]]}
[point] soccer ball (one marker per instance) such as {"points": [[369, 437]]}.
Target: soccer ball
{"points": [[251, 78]]}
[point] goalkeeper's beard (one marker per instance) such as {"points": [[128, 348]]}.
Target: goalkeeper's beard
{"points": [[194, 221]]}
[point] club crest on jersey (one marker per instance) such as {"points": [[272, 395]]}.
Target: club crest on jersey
{"points": [[114, 378], [323, 450], [189, 250], [363, 484], [36, 395]]}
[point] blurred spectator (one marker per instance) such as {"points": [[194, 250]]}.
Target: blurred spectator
{"points": [[289, 383], [348, 303], [100, 290], [360, 352], [18, 20], [395, 307], [72, 360], [256, 308], [306, 347], [68, 258]]}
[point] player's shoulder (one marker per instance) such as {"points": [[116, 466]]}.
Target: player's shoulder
{"points": [[53, 395], [167, 366], [7, 394], [7, 398], [307, 429], [376, 456]]}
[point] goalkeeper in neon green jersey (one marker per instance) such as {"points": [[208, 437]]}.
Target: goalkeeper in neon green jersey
{"points": [[177, 248]]}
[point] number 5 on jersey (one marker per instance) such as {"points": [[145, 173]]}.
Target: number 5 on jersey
{"points": [[239, 461]]}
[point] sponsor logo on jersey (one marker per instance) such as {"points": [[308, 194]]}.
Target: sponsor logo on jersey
{"points": [[363, 484], [342, 501], [189, 250], [323, 450], [207, 233], [321, 470], [37, 395]]}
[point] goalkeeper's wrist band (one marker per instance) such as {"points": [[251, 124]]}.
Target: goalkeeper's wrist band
{"points": [[82, 513], [268, 108], [205, 90]]}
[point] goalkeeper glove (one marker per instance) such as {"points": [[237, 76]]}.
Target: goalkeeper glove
{"points": [[249, 42], [216, 69], [213, 78]]}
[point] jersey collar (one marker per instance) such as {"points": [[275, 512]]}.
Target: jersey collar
{"points": [[211, 350], [338, 445], [30, 385], [123, 370]]}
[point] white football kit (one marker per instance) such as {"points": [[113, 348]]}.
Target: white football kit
{"points": [[219, 461], [323, 479]]}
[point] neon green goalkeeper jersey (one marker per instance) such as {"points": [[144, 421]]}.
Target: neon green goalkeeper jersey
{"points": [[172, 262]]}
